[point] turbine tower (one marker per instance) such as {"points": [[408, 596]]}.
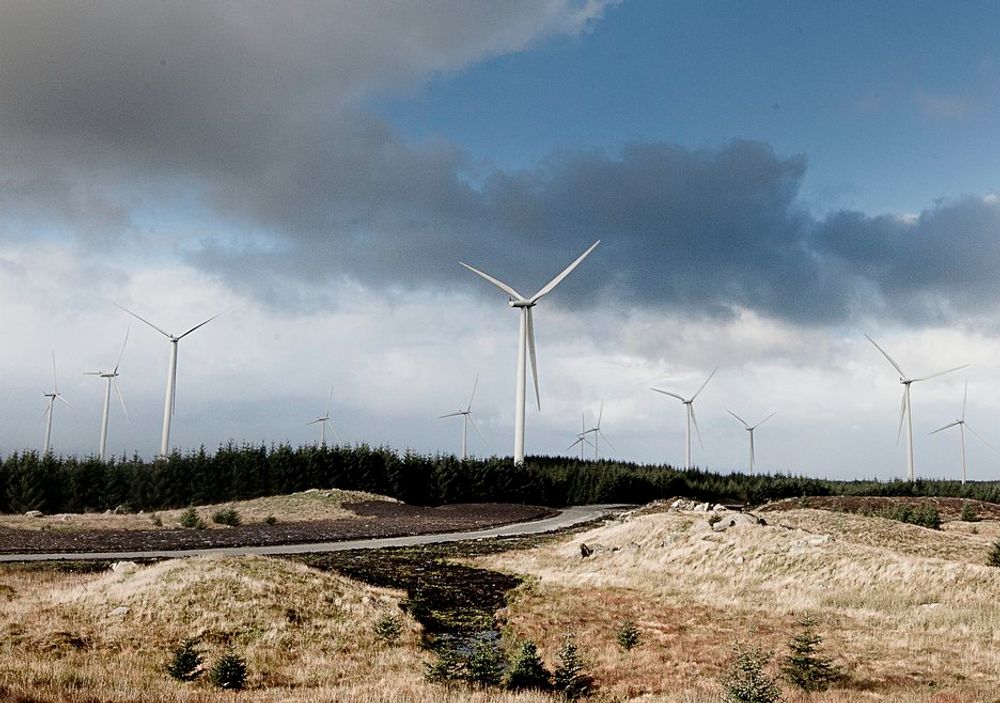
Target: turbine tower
{"points": [[466, 419], [53, 397], [905, 412], [750, 429], [691, 419], [112, 378], [962, 427], [324, 421], [526, 342], [171, 394]]}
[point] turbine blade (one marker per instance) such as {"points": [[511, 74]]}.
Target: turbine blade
{"points": [[534, 361], [979, 437], [705, 383], [441, 417], [902, 416], [499, 284], [318, 419], [142, 319], [764, 420], [472, 397], [122, 352], [965, 398], [886, 355], [121, 398], [953, 424], [566, 271], [606, 440], [333, 431], [55, 383], [329, 402], [694, 421], [739, 418], [200, 324], [574, 444], [91, 373], [940, 373], [475, 426], [672, 395], [64, 401], [599, 416]]}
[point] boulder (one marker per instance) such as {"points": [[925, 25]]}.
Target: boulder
{"points": [[701, 508], [119, 612], [732, 519], [123, 567], [34, 513], [585, 551]]}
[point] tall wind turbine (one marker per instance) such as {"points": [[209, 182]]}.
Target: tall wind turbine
{"points": [[691, 419], [324, 422], [171, 395], [466, 416], [905, 412], [53, 397], [598, 435], [963, 426], [112, 378], [526, 342], [750, 429], [581, 438]]}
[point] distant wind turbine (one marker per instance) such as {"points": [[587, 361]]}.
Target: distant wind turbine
{"points": [[962, 427], [691, 419], [905, 412], [750, 429], [112, 378], [466, 416], [53, 397], [324, 422], [526, 342], [581, 437], [597, 434], [171, 394]]}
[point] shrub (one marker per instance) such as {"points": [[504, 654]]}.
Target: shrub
{"points": [[190, 520], [185, 662], [229, 672], [388, 629], [922, 515], [968, 513], [568, 678], [486, 663], [746, 681], [227, 516], [527, 669], [993, 558], [271, 520], [628, 635], [448, 667], [805, 666]]}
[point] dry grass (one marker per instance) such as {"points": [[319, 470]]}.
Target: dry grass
{"points": [[314, 504], [902, 607]]}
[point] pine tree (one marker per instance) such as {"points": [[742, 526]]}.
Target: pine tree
{"points": [[805, 666], [527, 669], [568, 677], [746, 681], [993, 558]]}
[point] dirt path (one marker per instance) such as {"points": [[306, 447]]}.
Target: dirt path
{"points": [[565, 518]]}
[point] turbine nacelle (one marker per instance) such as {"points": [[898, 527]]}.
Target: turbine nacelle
{"points": [[522, 303]]}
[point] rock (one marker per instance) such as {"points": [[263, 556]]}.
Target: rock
{"points": [[119, 510], [720, 508], [735, 520], [66, 518], [311, 490], [819, 539], [585, 551], [34, 513], [124, 567], [108, 511], [701, 508], [119, 612]]}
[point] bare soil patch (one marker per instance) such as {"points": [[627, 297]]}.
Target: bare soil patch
{"points": [[949, 508], [367, 519]]}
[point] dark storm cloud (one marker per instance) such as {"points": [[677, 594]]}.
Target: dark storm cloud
{"points": [[248, 119]]}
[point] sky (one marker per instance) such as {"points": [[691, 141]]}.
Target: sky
{"points": [[770, 182]]}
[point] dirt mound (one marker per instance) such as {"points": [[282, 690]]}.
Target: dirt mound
{"points": [[949, 508]]}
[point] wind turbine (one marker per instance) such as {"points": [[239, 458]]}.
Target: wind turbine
{"points": [[962, 426], [53, 396], [526, 342], [691, 419], [596, 431], [466, 419], [750, 429], [905, 412], [171, 395], [581, 438], [112, 378], [324, 421]]}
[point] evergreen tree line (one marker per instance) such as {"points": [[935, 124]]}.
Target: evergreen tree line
{"points": [[54, 484]]}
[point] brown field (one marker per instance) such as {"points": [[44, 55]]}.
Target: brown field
{"points": [[909, 612]]}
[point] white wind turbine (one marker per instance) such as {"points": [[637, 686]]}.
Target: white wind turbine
{"points": [[905, 412], [324, 422], [53, 397], [582, 438], [963, 426], [112, 378], [526, 342], [466, 416], [598, 435], [750, 429], [171, 394], [691, 419]]}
